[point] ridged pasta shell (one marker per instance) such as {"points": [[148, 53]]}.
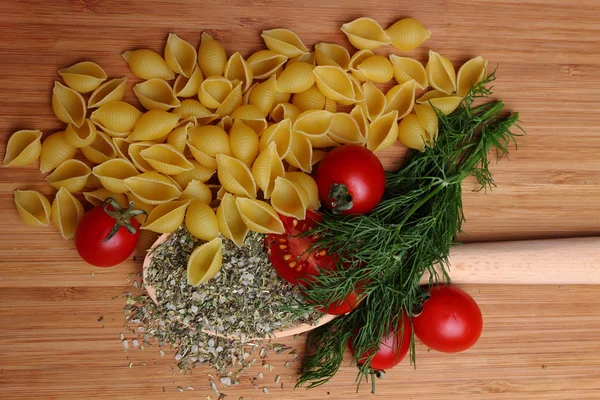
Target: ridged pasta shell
{"points": [[188, 87], [360, 116], [180, 56], [284, 41], [148, 64], [55, 150], [411, 133], [97, 197], [266, 168], [335, 84], [296, 78], [93, 182], [211, 56], [165, 159], [199, 173], [345, 130], [407, 69], [197, 190], [284, 110], [82, 136], [263, 95], [311, 99], [300, 155], [230, 221], [225, 123], [156, 94], [139, 205], [84, 76], [407, 34], [238, 68], [112, 174], [244, 142], [365, 33], [265, 63], [289, 198], [116, 118], [332, 54], [112, 90], [357, 59], [313, 123], [440, 73], [259, 216], [401, 98], [210, 139], [166, 217], [470, 74], [178, 137], [213, 91], [152, 188], [252, 116], [330, 105], [68, 105], [153, 125], [67, 211], [23, 148], [201, 221], [383, 132], [231, 102], [375, 100], [359, 96], [193, 108], [33, 207], [204, 262], [429, 120], [309, 185], [71, 175], [134, 151], [121, 146], [446, 104], [280, 134], [322, 142], [306, 57], [281, 98], [377, 69], [235, 176]]}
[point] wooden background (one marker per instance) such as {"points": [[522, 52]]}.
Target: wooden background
{"points": [[539, 342]]}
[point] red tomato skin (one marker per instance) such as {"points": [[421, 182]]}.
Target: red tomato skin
{"points": [[93, 228], [451, 320], [359, 170]]}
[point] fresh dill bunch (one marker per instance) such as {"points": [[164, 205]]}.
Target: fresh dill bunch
{"points": [[386, 252]]}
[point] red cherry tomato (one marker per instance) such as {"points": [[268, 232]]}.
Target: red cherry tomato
{"points": [[107, 222], [351, 180], [451, 320]]}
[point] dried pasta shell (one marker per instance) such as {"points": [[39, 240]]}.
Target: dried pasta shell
{"points": [[153, 125], [313, 123], [280, 134], [289, 198], [211, 56], [357, 59], [193, 108], [199, 173], [306, 57], [360, 116], [55, 150], [93, 182], [188, 87], [210, 139], [116, 118], [322, 142], [284, 41], [134, 151], [68, 105], [296, 78], [470, 74], [263, 95], [156, 94], [197, 190], [265, 63], [284, 110], [33, 207], [411, 133], [301, 151], [71, 175], [440, 73], [309, 185], [213, 91], [446, 104], [330, 105], [152, 188], [266, 168], [139, 205], [231, 102], [121, 146], [365, 33], [359, 96], [407, 69], [311, 99], [401, 98], [112, 90], [332, 54], [238, 68], [204, 262], [201, 221], [23, 148], [84, 76], [281, 98], [178, 136], [166, 217], [235, 176], [259, 216], [112, 174], [180, 56], [345, 130], [148, 64], [375, 100], [252, 116], [335, 84], [377, 69], [67, 211], [407, 34], [82, 136], [429, 120], [97, 197], [165, 159], [383, 132], [244, 142], [225, 123], [230, 222]]}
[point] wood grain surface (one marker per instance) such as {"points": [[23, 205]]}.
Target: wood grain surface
{"points": [[539, 342]]}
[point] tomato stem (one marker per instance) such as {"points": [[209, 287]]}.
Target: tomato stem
{"points": [[122, 217], [339, 198]]}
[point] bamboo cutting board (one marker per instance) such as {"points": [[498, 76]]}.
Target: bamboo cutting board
{"points": [[59, 325]]}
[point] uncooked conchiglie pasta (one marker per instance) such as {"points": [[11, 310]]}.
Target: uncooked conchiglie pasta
{"points": [[446, 104], [156, 94], [109, 91], [265, 63], [55, 150], [301, 151], [359, 96], [285, 110], [401, 98], [165, 159], [33, 207], [201, 221], [235, 176], [383, 132], [112, 174], [252, 116], [375, 100], [225, 123], [84, 76], [411, 133], [357, 59], [306, 57], [471, 73], [152, 125], [97, 197], [180, 56], [280, 134], [204, 262], [407, 34], [365, 33], [211, 56], [377, 69], [178, 136], [313, 123], [82, 136], [167, 217], [121, 146], [71, 175], [296, 78], [148, 64], [284, 41], [199, 173], [345, 130], [440, 73], [259, 216], [23, 148], [116, 118], [322, 142], [309, 185], [68, 105], [67, 211], [93, 182], [332, 54], [188, 87], [152, 188], [193, 108], [263, 95], [197, 190], [311, 99], [429, 120], [231, 224], [210, 139], [289, 198], [231, 102], [360, 116], [330, 105], [407, 69], [238, 68], [134, 151], [244, 142], [335, 84], [102, 149], [213, 91], [266, 168]]}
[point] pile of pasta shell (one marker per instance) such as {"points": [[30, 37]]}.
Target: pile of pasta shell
{"points": [[226, 144]]}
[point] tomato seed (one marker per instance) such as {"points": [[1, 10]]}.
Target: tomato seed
{"points": [[283, 246], [287, 257], [293, 264]]}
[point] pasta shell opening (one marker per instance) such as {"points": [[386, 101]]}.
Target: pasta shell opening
{"points": [[235, 176], [71, 175], [113, 90], [67, 211], [313, 123], [251, 116], [383, 132], [266, 168], [332, 54], [188, 87], [152, 188], [301, 152], [68, 105], [55, 150], [444, 103], [156, 94], [102, 149], [284, 41], [180, 56], [112, 174], [440, 73], [401, 98], [289, 198], [259, 216], [264, 63], [166, 217], [166, 160], [309, 185], [23, 148], [193, 108], [407, 69], [284, 110], [365, 33], [280, 134], [345, 130], [213, 91], [196, 190], [335, 84], [375, 100], [33, 207], [412, 134], [230, 221], [97, 197], [84, 76], [199, 173], [238, 68], [204, 262], [81, 137], [263, 95], [470, 74]]}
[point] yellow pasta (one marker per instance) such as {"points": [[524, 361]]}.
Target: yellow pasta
{"points": [[33, 207], [68, 105], [67, 211], [322, 142], [345, 130], [112, 90], [165, 159], [429, 120], [332, 54], [97, 197], [284, 110], [82, 136], [112, 174], [206, 142], [401, 98], [359, 96], [213, 91], [330, 105], [188, 87], [471, 73], [178, 136], [259, 216], [235, 176], [84, 76], [225, 123], [309, 185], [377, 69], [134, 151], [306, 57], [244, 142], [440, 73], [153, 125], [55, 150], [281, 98], [153, 188], [148, 64], [220, 193], [365, 33], [252, 116], [230, 221], [264, 63], [166, 217], [156, 94], [407, 69], [263, 95], [284, 41], [296, 78], [204, 262], [231, 102], [116, 118], [313, 123], [197, 190], [375, 101], [93, 182], [238, 68], [335, 84], [121, 146], [407, 34], [180, 56], [439, 100], [23, 148], [266, 168], [311, 99], [280, 134], [201, 221], [360, 116], [71, 175], [211, 56], [357, 59], [383, 132], [289, 198], [411, 133], [193, 108], [199, 173], [301, 151]]}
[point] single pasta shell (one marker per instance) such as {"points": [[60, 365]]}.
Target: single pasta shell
{"points": [[375, 100], [180, 56], [193, 108], [82, 136], [445, 104], [139, 205], [244, 142], [231, 102], [134, 151], [296, 78], [311, 99], [360, 116], [401, 98], [411, 133], [238, 68], [235, 176], [55, 150], [71, 175], [201, 221], [102, 149], [266, 168], [407, 34], [280, 134], [284, 110], [289, 198], [357, 59], [211, 56], [33, 207], [301, 151], [197, 190], [470, 74], [263, 95], [165, 159], [68, 105], [166, 217], [284, 41], [440, 73], [121, 146], [97, 197], [156, 94], [429, 120], [259, 216], [23, 148], [84, 76], [322, 142], [153, 188], [213, 91], [200, 156], [112, 90], [365, 33], [199, 173], [178, 136], [112, 174], [335, 84], [377, 69], [281, 98], [359, 96], [116, 117], [154, 124], [230, 221], [309, 185], [225, 123], [251, 116], [148, 64], [332, 54], [383, 132], [204, 262], [188, 87], [210, 139], [93, 182], [67, 211], [313, 123], [265, 63], [306, 57], [345, 130], [407, 69]]}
